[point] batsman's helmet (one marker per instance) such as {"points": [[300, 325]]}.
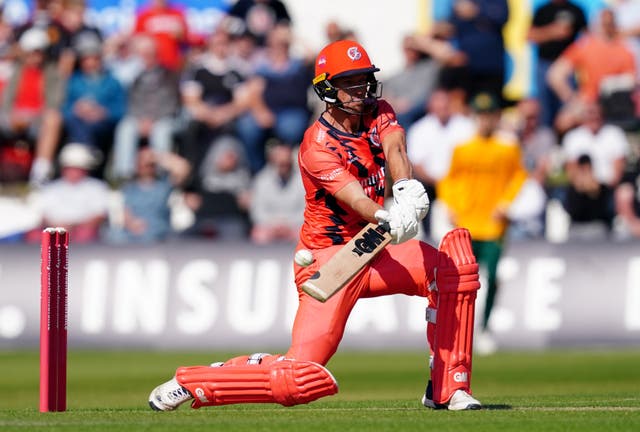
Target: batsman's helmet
{"points": [[339, 59]]}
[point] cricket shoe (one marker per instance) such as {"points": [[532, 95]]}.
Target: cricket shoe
{"points": [[168, 396], [460, 401]]}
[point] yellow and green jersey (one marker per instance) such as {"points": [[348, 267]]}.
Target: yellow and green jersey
{"points": [[485, 174]]}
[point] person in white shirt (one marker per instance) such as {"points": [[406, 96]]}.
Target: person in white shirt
{"points": [[74, 201], [627, 13], [431, 140], [595, 157], [277, 203]]}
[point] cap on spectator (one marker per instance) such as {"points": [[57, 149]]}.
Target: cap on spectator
{"points": [[87, 44], [34, 39], [485, 102], [77, 155]]}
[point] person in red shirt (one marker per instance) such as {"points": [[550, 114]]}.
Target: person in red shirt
{"points": [[345, 159], [30, 108], [168, 25]]}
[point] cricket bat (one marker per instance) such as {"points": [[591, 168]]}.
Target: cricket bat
{"points": [[349, 260]]}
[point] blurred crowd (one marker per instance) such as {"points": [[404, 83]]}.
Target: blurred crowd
{"points": [[159, 133]]}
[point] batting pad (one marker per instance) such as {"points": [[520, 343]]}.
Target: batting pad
{"points": [[457, 282], [287, 382]]}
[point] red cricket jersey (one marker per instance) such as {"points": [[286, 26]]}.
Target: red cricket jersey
{"points": [[164, 24], [329, 159]]}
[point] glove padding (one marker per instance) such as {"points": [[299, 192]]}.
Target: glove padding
{"points": [[402, 221], [411, 192]]}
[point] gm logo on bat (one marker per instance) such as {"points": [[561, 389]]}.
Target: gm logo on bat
{"points": [[369, 241]]}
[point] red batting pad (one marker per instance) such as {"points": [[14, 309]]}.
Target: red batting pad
{"points": [[287, 382], [457, 282]]}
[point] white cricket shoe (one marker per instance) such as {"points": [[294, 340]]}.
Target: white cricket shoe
{"points": [[168, 396], [460, 401]]}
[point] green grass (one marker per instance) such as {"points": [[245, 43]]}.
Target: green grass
{"points": [[529, 391]]}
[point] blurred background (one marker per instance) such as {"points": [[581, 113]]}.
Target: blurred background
{"points": [[163, 136]]}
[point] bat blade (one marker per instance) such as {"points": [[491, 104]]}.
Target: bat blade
{"points": [[349, 260]]}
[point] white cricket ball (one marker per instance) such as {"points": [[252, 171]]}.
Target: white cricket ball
{"points": [[303, 257]]}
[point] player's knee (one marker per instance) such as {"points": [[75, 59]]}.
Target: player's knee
{"points": [[457, 269], [300, 382]]}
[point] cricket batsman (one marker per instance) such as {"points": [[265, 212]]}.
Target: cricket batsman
{"points": [[345, 158]]}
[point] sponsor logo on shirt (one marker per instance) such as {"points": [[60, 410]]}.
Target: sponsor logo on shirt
{"points": [[332, 175]]}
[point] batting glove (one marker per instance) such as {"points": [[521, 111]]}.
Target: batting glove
{"points": [[411, 192], [402, 221]]}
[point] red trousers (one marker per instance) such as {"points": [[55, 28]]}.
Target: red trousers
{"points": [[406, 268]]}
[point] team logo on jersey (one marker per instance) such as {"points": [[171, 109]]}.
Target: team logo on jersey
{"points": [[354, 54], [374, 138]]}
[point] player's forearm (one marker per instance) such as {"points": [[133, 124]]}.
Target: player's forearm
{"points": [[395, 151], [354, 197], [367, 209]]}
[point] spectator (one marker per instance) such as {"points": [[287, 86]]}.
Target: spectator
{"points": [[277, 199], [475, 28], [276, 99], [538, 141], [245, 54], [431, 140], [443, 51], [95, 100], [120, 57], [257, 18], [627, 15], [7, 53], [47, 16], [595, 157], [73, 20], [147, 215], [154, 101], [627, 199], [584, 60], [207, 91], [168, 26], [408, 89], [222, 200], [538, 144], [555, 26], [31, 103], [74, 201], [334, 31], [484, 178]]}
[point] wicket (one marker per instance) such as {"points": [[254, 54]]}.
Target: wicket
{"points": [[53, 319]]}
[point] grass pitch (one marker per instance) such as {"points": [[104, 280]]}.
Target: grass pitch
{"points": [[529, 391]]}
